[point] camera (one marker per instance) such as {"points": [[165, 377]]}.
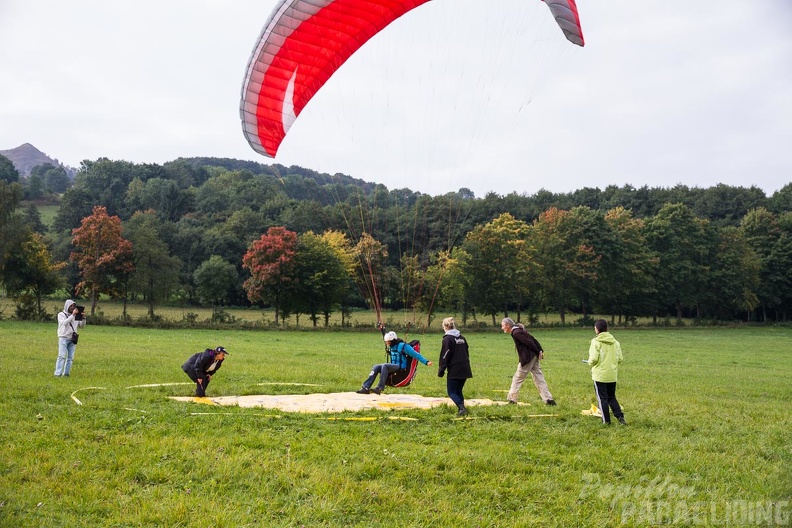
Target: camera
{"points": [[78, 312]]}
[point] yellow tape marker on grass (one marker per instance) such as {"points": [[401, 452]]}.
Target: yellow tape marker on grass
{"points": [[157, 385], [234, 414], [373, 419], [594, 411], [73, 397], [289, 384], [514, 417]]}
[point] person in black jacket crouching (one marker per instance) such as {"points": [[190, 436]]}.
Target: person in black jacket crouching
{"points": [[202, 366]]}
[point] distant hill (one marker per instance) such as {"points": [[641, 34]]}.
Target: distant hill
{"points": [[26, 156]]}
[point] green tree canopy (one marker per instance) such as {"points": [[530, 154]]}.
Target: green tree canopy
{"points": [[500, 263], [8, 172], [215, 279], [684, 245], [30, 270], [156, 272]]}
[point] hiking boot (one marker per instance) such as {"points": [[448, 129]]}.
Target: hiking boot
{"points": [[363, 390], [376, 390], [550, 402], [622, 420]]}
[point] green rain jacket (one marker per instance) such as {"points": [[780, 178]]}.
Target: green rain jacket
{"points": [[605, 354]]}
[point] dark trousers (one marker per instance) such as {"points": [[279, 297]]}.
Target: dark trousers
{"points": [[384, 370], [454, 388], [200, 390], [606, 396]]}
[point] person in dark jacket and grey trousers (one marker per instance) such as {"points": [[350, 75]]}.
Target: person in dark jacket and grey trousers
{"points": [[455, 359], [202, 366], [529, 352]]}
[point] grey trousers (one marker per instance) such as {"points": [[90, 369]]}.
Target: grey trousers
{"points": [[535, 369]]}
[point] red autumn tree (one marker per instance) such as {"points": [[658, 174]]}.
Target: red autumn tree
{"points": [[103, 256], [270, 261]]}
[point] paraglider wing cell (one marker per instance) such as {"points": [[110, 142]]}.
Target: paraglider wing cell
{"points": [[566, 14]]}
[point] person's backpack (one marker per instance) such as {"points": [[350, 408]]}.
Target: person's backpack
{"points": [[403, 377]]}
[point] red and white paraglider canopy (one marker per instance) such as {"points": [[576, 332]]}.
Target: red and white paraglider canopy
{"points": [[304, 42]]}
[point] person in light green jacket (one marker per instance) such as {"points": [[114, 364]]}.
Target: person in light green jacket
{"points": [[605, 354]]}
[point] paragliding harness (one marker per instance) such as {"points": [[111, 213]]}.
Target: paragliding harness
{"points": [[403, 377]]}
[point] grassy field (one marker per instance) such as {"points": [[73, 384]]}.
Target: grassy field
{"points": [[48, 213], [708, 440], [113, 309]]}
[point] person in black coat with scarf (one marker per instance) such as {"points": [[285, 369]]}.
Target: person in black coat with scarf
{"points": [[454, 358], [202, 366]]}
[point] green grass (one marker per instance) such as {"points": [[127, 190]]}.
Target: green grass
{"points": [[113, 310], [48, 213], [709, 413]]}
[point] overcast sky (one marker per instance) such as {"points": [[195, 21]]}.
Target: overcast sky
{"points": [[483, 94]]}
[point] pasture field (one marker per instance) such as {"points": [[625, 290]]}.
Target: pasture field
{"points": [[113, 310], [48, 213], [708, 440]]}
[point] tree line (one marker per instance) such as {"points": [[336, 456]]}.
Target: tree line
{"points": [[225, 232]]}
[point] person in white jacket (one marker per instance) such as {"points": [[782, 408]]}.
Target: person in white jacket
{"points": [[69, 320]]}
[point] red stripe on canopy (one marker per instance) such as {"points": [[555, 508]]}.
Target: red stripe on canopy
{"points": [[309, 55]]}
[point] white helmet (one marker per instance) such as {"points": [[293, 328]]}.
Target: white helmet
{"points": [[390, 336]]}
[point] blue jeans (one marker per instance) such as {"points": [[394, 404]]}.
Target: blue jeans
{"points": [[454, 389], [384, 370], [65, 356]]}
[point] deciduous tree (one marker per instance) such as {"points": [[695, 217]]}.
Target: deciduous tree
{"points": [[156, 272], [567, 259], [321, 277], [270, 261], [629, 273], [8, 172], [500, 262], [102, 254], [370, 272], [32, 271], [685, 246], [214, 279], [734, 275], [772, 243], [345, 253]]}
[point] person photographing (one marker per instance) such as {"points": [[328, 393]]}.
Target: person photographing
{"points": [[70, 320]]}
